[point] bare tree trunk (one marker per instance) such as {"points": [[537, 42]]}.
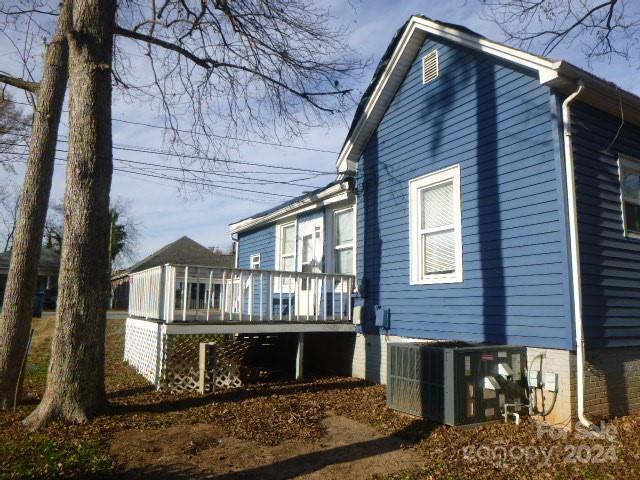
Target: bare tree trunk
{"points": [[75, 382], [15, 322]]}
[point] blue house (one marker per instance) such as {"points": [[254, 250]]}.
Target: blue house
{"points": [[482, 194]]}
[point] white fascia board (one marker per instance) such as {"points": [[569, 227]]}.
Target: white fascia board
{"points": [[333, 194], [544, 66], [408, 46]]}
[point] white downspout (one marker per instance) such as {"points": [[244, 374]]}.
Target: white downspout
{"points": [[236, 248], [575, 251]]}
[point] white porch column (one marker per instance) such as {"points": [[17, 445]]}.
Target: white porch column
{"points": [[300, 356]]}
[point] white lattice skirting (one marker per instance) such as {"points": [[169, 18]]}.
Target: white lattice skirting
{"points": [[143, 348], [171, 361]]}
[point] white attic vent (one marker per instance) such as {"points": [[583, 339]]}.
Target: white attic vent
{"points": [[430, 68]]}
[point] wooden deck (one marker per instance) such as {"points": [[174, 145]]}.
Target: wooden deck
{"points": [[232, 327]]}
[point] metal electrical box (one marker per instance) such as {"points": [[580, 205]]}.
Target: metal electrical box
{"points": [[455, 383], [382, 317]]}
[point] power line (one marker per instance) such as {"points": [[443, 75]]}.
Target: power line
{"points": [[255, 181], [181, 180], [151, 150], [206, 184], [206, 172], [145, 149], [261, 142], [226, 137], [263, 201]]}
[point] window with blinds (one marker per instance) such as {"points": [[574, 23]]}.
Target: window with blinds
{"points": [[435, 224], [630, 196]]}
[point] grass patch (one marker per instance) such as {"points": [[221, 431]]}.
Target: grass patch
{"points": [[40, 456], [36, 372]]}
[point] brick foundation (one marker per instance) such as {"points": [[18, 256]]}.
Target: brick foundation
{"points": [[612, 382]]}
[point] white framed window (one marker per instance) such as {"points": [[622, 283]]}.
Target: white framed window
{"points": [[254, 262], [343, 240], [435, 241], [286, 247], [629, 170]]}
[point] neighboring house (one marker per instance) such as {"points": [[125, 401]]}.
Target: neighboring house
{"points": [[468, 209], [48, 268], [183, 251]]}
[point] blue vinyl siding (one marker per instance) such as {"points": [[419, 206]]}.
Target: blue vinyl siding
{"points": [[610, 263], [496, 121], [261, 240]]}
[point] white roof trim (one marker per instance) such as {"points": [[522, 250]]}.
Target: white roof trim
{"points": [[408, 46], [544, 65], [335, 193]]}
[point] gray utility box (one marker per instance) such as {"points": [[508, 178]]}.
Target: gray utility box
{"points": [[455, 383]]}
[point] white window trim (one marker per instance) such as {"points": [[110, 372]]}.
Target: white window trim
{"points": [[331, 235], [279, 228], [627, 163], [415, 251], [254, 261]]}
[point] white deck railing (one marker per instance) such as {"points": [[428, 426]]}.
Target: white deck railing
{"points": [[191, 293], [145, 293]]}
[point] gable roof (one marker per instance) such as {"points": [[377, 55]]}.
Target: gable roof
{"points": [[183, 251], [407, 42], [49, 260]]}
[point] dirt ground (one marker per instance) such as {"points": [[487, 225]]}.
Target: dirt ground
{"points": [[347, 450], [319, 428]]}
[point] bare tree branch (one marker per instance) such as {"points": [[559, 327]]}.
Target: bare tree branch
{"points": [[202, 62], [604, 28], [270, 69], [9, 205], [19, 83], [208, 64]]}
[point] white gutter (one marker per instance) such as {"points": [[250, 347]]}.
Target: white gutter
{"points": [[309, 202], [575, 251]]}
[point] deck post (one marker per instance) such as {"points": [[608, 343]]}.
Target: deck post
{"points": [[197, 282], [223, 295], [209, 294], [185, 294], [300, 356]]}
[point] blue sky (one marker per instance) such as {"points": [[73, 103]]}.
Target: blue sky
{"points": [[165, 212]]}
